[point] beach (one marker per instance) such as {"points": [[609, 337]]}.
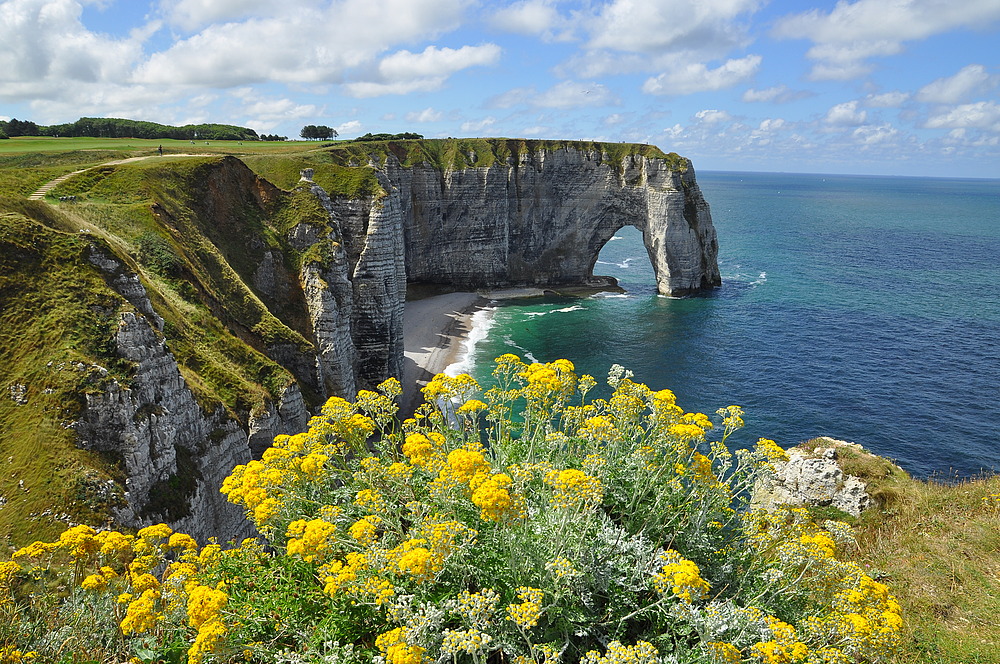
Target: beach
{"points": [[434, 331]]}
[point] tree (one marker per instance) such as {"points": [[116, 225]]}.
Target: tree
{"points": [[320, 132]]}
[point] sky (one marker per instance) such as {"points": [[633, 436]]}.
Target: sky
{"points": [[883, 87]]}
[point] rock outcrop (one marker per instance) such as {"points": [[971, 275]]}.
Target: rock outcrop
{"points": [[538, 216], [174, 455], [814, 477]]}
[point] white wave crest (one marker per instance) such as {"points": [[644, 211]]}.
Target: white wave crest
{"points": [[481, 322]]}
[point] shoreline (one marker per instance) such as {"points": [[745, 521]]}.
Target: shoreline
{"points": [[436, 332]]}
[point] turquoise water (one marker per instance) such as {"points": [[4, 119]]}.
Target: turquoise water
{"points": [[863, 308]]}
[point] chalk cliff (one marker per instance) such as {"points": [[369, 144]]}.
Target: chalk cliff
{"points": [[541, 217]]}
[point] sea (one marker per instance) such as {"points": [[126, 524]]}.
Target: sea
{"points": [[858, 307]]}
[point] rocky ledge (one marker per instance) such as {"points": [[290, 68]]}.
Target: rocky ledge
{"points": [[818, 473]]}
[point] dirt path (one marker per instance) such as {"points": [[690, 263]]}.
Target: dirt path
{"points": [[39, 194]]}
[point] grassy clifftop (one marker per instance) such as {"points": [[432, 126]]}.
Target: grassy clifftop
{"points": [[195, 230]]}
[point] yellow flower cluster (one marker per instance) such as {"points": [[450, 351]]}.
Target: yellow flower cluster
{"points": [[393, 645], [861, 616], [482, 525], [770, 450], [783, 648], [11, 655], [682, 577], [527, 613], [574, 489], [469, 641], [491, 493], [311, 540], [446, 388], [476, 608], [642, 652], [204, 611]]}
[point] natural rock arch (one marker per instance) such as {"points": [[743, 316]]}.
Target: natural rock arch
{"points": [[543, 219]]}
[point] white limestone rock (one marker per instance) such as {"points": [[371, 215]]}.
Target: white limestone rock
{"points": [[813, 478]]}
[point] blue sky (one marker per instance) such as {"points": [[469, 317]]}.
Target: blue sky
{"points": [[888, 87]]}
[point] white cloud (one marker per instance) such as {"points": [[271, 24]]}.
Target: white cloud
{"points": [[193, 14], [478, 125], [852, 32], [534, 17], [958, 88], [572, 94], [872, 134], [434, 61], [696, 77], [887, 99], [673, 132], [404, 72], [980, 115], [846, 115], [712, 116], [281, 108], [267, 113], [312, 44], [349, 127], [778, 94], [614, 119], [537, 130], [568, 94], [771, 124], [426, 115], [46, 47], [641, 26]]}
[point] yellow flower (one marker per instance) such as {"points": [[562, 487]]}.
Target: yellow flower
{"points": [[365, 529], [723, 653], [141, 615], [464, 464], [395, 648], [490, 494], [770, 450], [526, 614], [159, 531], [472, 406], [573, 489], [682, 577], [80, 541], [311, 539], [182, 541], [94, 582], [205, 604]]}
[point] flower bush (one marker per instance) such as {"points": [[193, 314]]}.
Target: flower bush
{"points": [[523, 524]]}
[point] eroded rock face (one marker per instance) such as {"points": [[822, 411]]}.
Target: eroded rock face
{"points": [[174, 456], [539, 219]]}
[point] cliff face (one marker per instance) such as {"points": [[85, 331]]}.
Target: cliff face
{"points": [[541, 218]]}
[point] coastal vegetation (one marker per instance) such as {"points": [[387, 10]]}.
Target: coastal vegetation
{"points": [[524, 523]]}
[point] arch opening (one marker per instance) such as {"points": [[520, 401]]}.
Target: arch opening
{"points": [[625, 258]]}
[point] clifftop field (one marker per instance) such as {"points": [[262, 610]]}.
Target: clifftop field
{"points": [[193, 225]]}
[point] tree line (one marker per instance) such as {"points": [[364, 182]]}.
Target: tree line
{"points": [[122, 128]]}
